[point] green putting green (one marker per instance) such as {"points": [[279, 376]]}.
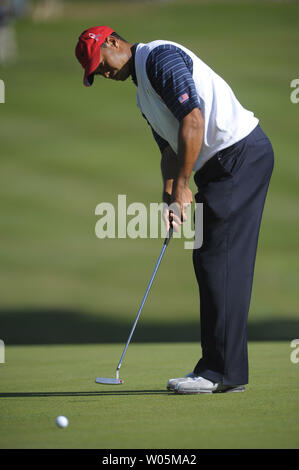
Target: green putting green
{"points": [[39, 383]]}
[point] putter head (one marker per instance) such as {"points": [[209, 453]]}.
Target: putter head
{"points": [[103, 381]]}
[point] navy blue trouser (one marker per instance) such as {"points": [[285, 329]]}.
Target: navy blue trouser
{"points": [[232, 186]]}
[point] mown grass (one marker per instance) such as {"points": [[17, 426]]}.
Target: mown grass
{"points": [[38, 383], [64, 149]]}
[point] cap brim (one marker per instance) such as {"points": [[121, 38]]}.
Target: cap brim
{"points": [[88, 80], [91, 68]]}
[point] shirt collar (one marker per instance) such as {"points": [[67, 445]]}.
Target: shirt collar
{"points": [[133, 74]]}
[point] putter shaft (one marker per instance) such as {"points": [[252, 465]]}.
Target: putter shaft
{"points": [[166, 241]]}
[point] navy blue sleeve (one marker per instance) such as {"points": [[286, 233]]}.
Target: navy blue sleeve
{"points": [[170, 70]]}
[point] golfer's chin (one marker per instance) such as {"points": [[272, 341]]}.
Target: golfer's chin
{"points": [[119, 78], [121, 75]]}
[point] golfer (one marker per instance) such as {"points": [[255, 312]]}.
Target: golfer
{"points": [[201, 127]]}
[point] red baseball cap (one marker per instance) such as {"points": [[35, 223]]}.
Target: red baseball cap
{"points": [[88, 50]]}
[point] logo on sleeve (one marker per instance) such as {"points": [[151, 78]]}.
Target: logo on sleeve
{"points": [[183, 98]]}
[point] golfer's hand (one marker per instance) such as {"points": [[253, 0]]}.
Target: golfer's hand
{"points": [[171, 219], [170, 216], [182, 195]]}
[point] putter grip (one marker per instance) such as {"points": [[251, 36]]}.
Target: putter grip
{"points": [[168, 236]]}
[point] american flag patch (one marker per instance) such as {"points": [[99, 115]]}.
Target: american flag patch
{"points": [[183, 98]]}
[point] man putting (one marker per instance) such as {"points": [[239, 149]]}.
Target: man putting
{"points": [[200, 126]]}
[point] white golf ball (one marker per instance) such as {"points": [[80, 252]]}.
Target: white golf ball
{"points": [[62, 421]]}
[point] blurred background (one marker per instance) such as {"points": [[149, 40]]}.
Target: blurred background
{"points": [[65, 148]]}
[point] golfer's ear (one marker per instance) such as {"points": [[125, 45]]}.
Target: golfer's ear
{"points": [[112, 42]]}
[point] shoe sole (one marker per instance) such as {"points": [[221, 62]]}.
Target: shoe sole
{"points": [[231, 390], [201, 392]]}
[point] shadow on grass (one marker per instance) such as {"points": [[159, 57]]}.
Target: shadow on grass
{"points": [[84, 394], [59, 326]]}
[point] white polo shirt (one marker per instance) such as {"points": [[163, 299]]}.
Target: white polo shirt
{"points": [[226, 121]]}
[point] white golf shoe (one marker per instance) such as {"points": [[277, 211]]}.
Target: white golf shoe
{"points": [[199, 384], [173, 382]]}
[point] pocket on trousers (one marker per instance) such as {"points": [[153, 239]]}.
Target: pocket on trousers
{"points": [[227, 163], [216, 169], [231, 160]]}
